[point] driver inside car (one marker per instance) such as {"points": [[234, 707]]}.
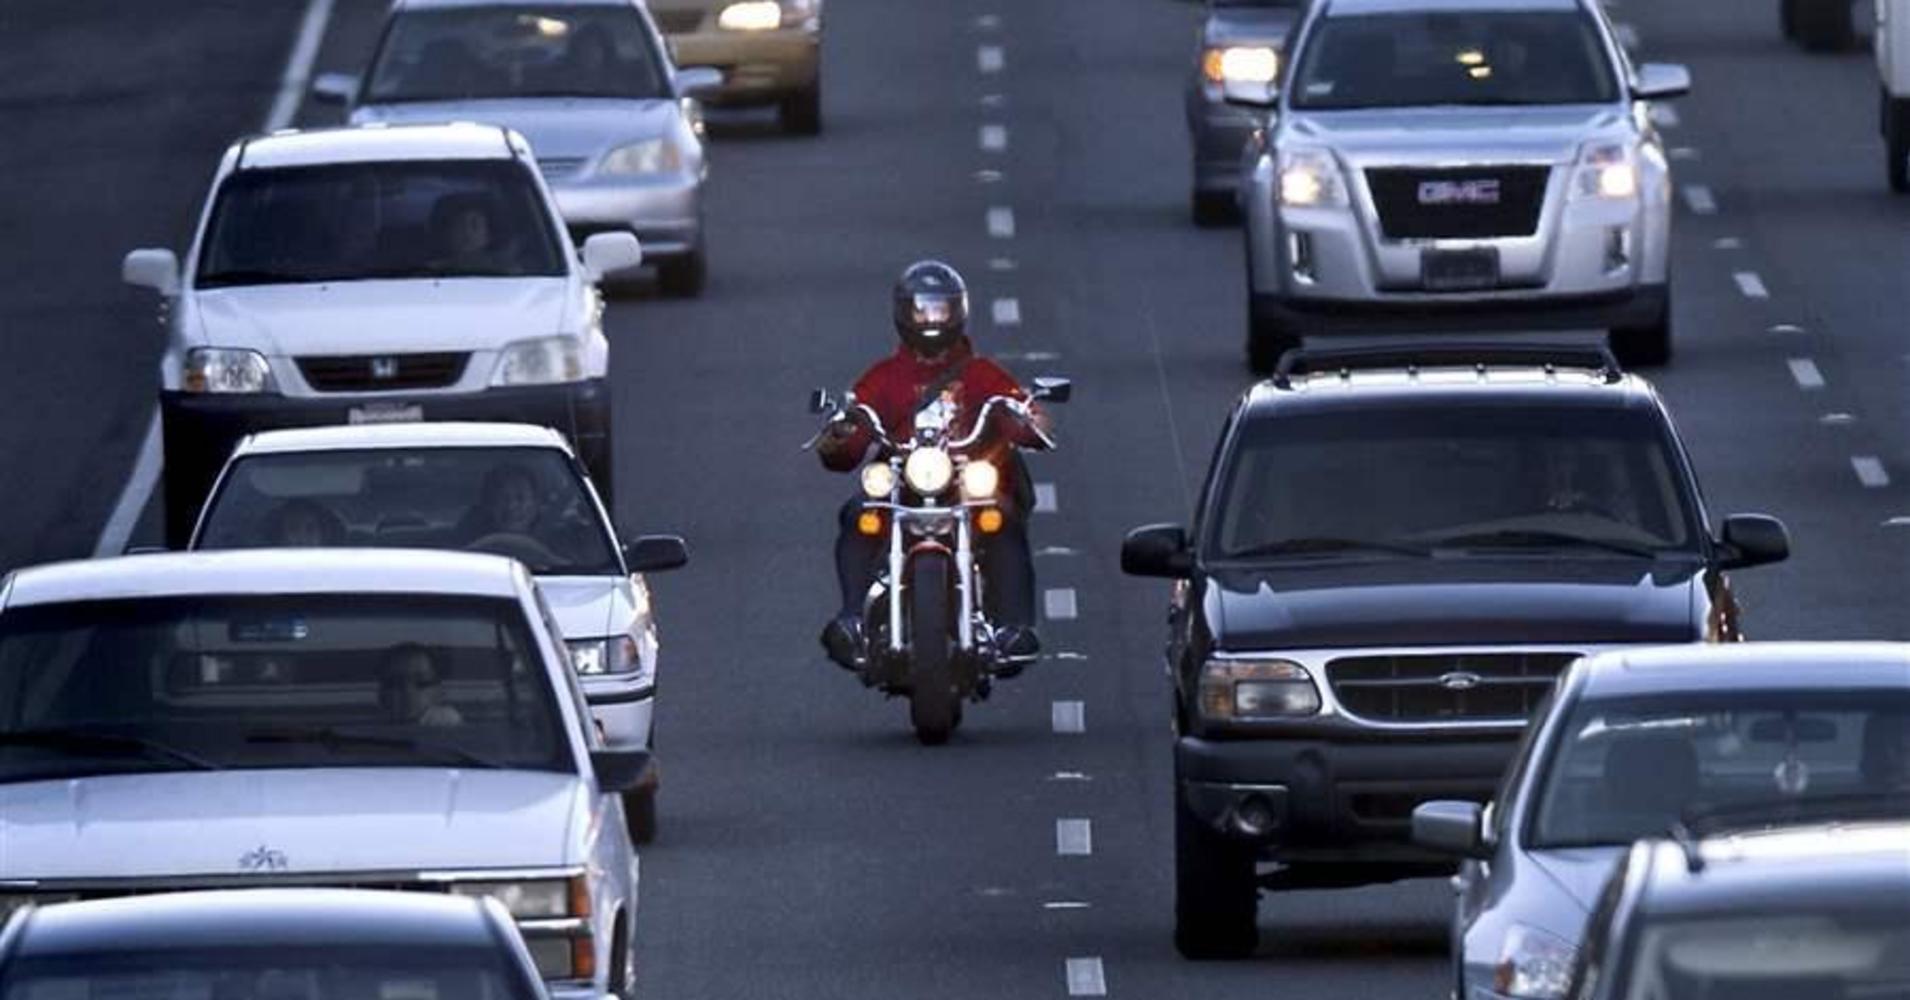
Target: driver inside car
{"points": [[411, 688]]}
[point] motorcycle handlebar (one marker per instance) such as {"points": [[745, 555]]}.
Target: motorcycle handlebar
{"points": [[852, 412]]}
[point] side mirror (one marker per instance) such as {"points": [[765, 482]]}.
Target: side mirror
{"points": [[152, 268], [1753, 540], [606, 254], [1456, 828], [1661, 81], [1053, 390], [335, 88], [1158, 550], [1261, 94], [821, 401], [698, 81], [656, 554], [620, 771]]}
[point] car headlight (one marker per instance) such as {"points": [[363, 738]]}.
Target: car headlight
{"points": [[1257, 689], [1533, 964], [928, 471], [878, 481], [1240, 64], [225, 369], [541, 361], [533, 899], [598, 657], [1606, 170], [751, 15], [651, 156], [1310, 179], [980, 479]]}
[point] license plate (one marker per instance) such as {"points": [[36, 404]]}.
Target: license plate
{"points": [[386, 413], [1459, 270]]}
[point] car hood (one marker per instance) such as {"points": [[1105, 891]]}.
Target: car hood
{"points": [[353, 317], [589, 607], [1579, 872], [1481, 135], [556, 127], [1249, 25], [224, 823], [1443, 602]]}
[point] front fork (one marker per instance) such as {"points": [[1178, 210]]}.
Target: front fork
{"points": [[965, 582]]}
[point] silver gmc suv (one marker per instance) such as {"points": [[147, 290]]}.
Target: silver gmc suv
{"points": [[1474, 162]]}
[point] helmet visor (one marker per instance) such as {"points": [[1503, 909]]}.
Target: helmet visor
{"points": [[932, 311]]}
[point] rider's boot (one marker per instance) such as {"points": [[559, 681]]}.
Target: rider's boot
{"points": [[842, 640]]}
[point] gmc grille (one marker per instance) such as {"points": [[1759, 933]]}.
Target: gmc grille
{"points": [[1458, 203], [382, 373], [1447, 687], [677, 22]]}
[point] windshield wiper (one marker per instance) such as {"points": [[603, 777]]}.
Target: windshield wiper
{"points": [[255, 276], [1321, 545], [1537, 538], [83, 740], [333, 738]]}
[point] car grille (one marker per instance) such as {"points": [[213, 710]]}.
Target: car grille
{"points": [[559, 167], [1462, 203], [382, 373], [676, 22], [1454, 687]]}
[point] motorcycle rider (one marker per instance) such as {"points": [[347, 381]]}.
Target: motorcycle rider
{"points": [[934, 362]]}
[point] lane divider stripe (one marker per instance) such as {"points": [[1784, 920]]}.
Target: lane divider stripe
{"points": [[1073, 838], [1086, 978], [1059, 604]]}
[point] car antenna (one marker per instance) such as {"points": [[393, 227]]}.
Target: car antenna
{"points": [[1688, 843]]}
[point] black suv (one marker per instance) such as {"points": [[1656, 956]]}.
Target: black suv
{"points": [[1398, 549]]}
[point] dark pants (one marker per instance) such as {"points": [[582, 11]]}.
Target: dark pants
{"points": [[1009, 568]]}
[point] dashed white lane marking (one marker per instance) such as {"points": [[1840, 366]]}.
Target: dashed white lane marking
{"points": [[1046, 501], [1059, 604], [1900, 521], [1683, 153], [1086, 978], [1068, 656], [1804, 372], [1664, 116], [990, 59], [1073, 838], [1786, 328], [1727, 243], [1070, 717], [1066, 904], [1069, 776], [133, 496], [1032, 357], [1001, 223], [1870, 471], [1001, 263], [994, 100], [1056, 551], [993, 138], [988, 22], [986, 176], [1751, 285], [1699, 199], [1838, 419], [1006, 311]]}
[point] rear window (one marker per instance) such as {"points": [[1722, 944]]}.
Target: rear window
{"points": [[1472, 57], [520, 51]]}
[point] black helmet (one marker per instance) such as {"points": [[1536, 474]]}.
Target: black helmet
{"points": [[931, 307]]}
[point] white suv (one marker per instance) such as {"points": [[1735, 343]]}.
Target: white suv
{"points": [[378, 274]]}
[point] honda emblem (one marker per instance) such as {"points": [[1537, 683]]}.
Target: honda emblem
{"points": [[384, 368]]}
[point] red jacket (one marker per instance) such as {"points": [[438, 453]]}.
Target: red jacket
{"points": [[895, 385]]}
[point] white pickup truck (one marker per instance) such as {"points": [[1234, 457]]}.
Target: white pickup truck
{"points": [[1893, 70]]}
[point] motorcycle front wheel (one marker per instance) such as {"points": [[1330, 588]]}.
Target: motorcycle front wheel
{"points": [[935, 705]]}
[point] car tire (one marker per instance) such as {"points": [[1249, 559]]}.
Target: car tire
{"points": [[1787, 18], [1267, 339], [189, 472], [1826, 25], [683, 277], [1216, 895], [1647, 346], [801, 112], [1896, 140], [1213, 209], [640, 815]]}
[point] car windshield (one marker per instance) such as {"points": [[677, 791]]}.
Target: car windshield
{"points": [[360, 221], [1476, 57], [492, 52], [1593, 482], [308, 680], [278, 972], [1622, 770], [1848, 954], [527, 503]]}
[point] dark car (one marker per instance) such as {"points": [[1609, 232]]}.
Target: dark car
{"points": [[1817, 910], [1242, 41], [268, 944], [1398, 549]]}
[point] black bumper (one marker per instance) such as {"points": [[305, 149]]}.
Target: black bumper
{"points": [[1633, 309]]}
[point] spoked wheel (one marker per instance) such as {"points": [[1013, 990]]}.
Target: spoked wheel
{"points": [[935, 704]]}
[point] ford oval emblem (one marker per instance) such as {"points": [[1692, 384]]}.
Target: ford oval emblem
{"points": [[1460, 680]]}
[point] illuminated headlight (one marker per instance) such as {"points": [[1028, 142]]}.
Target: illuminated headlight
{"points": [[543, 361], [1310, 179], [1533, 965], [928, 471], [878, 481], [1606, 170], [226, 370], [980, 480], [1240, 64], [1257, 689], [596, 657], [651, 156], [530, 900], [751, 15]]}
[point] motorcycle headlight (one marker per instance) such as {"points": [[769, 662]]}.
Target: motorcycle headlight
{"points": [[928, 471], [1310, 179], [1606, 170], [597, 657], [651, 156], [1533, 965], [878, 481], [980, 480], [1241, 64], [542, 361], [226, 370], [751, 15], [533, 899], [1257, 689]]}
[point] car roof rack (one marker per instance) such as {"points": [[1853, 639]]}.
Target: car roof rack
{"points": [[1589, 350]]}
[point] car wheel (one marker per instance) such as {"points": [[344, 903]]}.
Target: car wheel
{"points": [[1897, 144], [640, 815], [1216, 895], [1826, 25], [1787, 18], [189, 472], [801, 112], [1214, 208], [1267, 339], [1647, 346], [683, 277]]}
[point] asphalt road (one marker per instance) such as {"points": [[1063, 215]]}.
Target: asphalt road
{"points": [[810, 849]]}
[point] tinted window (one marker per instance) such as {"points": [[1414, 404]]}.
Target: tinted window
{"points": [[275, 973], [1619, 771], [1823, 955], [1453, 57], [286, 681], [354, 221], [526, 503], [1461, 477], [528, 51]]}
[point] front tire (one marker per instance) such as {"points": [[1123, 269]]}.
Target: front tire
{"points": [[640, 815], [1787, 18], [1825, 25], [1216, 894], [189, 472], [935, 705], [1647, 346], [1896, 136], [683, 277], [801, 112], [1213, 209], [1267, 339]]}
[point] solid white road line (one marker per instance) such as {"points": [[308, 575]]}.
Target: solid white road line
{"points": [[1751, 285], [1073, 838], [1006, 312], [1664, 115], [1046, 501], [1870, 471], [298, 68], [1059, 604], [134, 495], [1070, 717], [1001, 223], [990, 59], [1086, 978], [994, 138], [1805, 372], [1698, 198]]}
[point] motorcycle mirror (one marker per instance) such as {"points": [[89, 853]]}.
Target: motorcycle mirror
{"points": [[1052, 389], [820, 401]]}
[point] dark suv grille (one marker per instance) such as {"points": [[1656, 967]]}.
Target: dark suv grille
{"points": [[1448, 687], [1458, 203], [677, 22], [382, 373]]}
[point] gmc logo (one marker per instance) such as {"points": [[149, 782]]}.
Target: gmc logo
{"points": [[1484, 191]]}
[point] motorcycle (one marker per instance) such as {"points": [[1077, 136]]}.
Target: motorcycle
{"points": [[927, 634]]}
